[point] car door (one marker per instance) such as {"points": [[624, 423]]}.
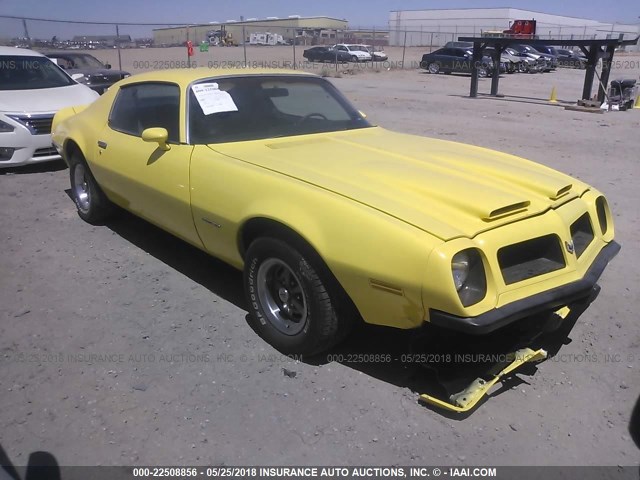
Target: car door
{"points": [[315, 54], [447, 59], [141, 176], [462, 61], [436, 57], [344, 49]]}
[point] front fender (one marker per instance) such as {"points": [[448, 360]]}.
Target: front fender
{"points": [[380, 261]]}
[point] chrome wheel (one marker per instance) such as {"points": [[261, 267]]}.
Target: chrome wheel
{"points": [[81, 190], [281, 295], [434, 68]]}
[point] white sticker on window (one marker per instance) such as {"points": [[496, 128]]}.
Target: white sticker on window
{"points": [[212, 99]]}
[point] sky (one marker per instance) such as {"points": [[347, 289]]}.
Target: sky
{"points": [[358, 13]]}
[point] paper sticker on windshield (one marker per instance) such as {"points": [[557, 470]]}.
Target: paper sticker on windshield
{"points": [[212, 99]]}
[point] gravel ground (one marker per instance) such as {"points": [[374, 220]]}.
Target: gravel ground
{"points": [[121, 345]]}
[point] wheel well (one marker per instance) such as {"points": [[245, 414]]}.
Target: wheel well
{"points": [[70, 147], [258, 227]]}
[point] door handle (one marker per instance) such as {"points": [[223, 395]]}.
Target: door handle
{"points": [[102, 144]]}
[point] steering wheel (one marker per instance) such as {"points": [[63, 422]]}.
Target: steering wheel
{"points": [[311, 115]]}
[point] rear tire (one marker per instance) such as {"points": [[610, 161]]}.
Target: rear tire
{"points": [[433, 68], [289, 301], [93, 205]]}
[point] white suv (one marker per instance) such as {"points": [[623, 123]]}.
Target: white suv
{"points": [[354, 51], [32, 90]]}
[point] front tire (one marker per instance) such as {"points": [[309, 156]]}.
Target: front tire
{"points": [[289, 303], [93, 205]]}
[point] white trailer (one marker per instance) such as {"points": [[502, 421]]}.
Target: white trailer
{"points": [[265, 38]]}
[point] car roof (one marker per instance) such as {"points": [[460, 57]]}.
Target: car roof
{"points": [[65, 53], [186, 76], [23, 52], [464, 49]]}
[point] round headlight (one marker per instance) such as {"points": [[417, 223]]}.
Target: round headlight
{"points": [[469, 276], [460, 269]]}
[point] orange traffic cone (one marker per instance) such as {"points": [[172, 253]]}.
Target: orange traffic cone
{"points": [[554, 96]]}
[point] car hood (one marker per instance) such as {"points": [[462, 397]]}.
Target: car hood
{"points": [[45, 99], [445, 188]]}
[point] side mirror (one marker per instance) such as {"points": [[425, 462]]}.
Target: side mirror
{"points": [[157, 135], [107, 66]]}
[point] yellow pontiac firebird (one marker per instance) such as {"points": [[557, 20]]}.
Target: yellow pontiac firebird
{"points": [[333, 219]]}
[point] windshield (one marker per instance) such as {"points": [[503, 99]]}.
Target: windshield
{"points": [[19, 72], [79, 61], [259, 107]]}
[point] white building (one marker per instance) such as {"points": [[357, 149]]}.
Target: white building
{"points": [[436, 27]]}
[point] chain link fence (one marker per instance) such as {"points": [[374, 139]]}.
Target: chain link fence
{"points": [[136, 47]]}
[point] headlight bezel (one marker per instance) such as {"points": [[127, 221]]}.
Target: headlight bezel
{"points": [[602, 209]]}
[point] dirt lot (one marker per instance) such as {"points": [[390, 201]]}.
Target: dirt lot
{"points": [[121, 345]]}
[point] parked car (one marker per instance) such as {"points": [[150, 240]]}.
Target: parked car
{"points": [[326, 54], [454, 60], [333, 219], [544, 60], [509, 63], [550, 51], [571, 59], [355, 54], [376, 55], [527, 64], [465, 45], [542, 64], [32, 89], [87, 69]]}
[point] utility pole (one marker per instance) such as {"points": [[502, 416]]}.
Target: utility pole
{"points": [[26, 32], [118, 45], [244, 40]]}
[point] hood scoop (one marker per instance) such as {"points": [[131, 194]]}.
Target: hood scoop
{"points": [[506, 210], [561, 192]]}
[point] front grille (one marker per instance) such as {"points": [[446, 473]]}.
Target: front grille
{"points": [[45, 152], [581, 234], [37, 124], [530, 258]]}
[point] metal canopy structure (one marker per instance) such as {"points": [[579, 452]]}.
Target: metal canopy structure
{"points": [[593, 49]]}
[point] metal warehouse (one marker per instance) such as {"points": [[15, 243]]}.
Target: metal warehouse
{"points": [[436, 27], [290, 28]]}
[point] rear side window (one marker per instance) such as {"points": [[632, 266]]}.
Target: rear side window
{"points": [[147, 105]]}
